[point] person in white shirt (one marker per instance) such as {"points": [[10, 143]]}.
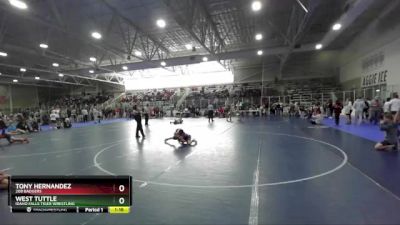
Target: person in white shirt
{"points": [[57, 112], [53, 119], [317, 118], [67, 123], [386, 106], [348, 110], [359, 106], [85, 115], [394, 104], [96, 116]]}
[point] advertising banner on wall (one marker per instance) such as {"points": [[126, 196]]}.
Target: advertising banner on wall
{"points": [[374, 71], [374, 79]]}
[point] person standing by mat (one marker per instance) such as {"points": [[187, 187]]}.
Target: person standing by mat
{"points": [[375, 110], [210, 113], [348, 110], [359, 106], [386, 106], [85, 115], [337, 110], [394, 106], [146, 114], [138, 118]]}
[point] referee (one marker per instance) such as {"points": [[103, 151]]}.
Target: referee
{"points": [[210, 108], [138, 118]]}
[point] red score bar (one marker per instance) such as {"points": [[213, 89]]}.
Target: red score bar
{"points": [[82, 189]]}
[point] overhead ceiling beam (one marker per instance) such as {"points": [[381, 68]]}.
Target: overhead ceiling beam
{"points": [[358, 8], [207, 15], [134, 26], [46, 80], [3, 26], [247, 54], [52, 72], [49, 24], [199, 25], [28, 84], [48, 54], [56, 12], [34, 53], [300, 28]]}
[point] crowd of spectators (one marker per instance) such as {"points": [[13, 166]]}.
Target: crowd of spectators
{"points": [[225, 98], [149, 96]]}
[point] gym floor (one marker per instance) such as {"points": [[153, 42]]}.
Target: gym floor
{"points": [[254, 171]]}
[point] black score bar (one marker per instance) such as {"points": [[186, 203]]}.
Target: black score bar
{"points": [[109, 209]]}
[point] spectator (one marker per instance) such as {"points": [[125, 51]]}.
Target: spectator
{"points": [[390, 127], [395, 106], [210, 113], [386, 106], [85, 115], [359, 106], [317, 118], [348, 110], [375, 110], [146, 110], [337, 110]]}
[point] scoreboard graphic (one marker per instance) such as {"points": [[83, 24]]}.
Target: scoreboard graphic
{"points": [[70, 194]]}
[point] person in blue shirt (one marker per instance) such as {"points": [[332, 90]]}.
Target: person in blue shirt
{"points": [[4, 134], [390, 127]]}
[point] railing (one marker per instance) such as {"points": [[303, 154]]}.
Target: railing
{"points": [[381, 92]]}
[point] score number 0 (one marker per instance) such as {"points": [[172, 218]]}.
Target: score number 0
{"points": [[121, 200]]}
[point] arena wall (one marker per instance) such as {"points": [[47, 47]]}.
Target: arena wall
{"points": [[299, 66], [14, 96], [373, 57]]}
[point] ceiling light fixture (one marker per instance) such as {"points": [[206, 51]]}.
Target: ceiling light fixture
{"points": [[55, 64], [205, 59], [259, 52], [91, 71], [259, 37], [4, 54], [125, 68], [138, 53], [37, 78], [15, 80], [42, 45], [18, 4], [189, 46], [256, 5], [302, 6], [161, 23], [96, 35], [336, 26], [92, 59], [318, 46], [163, 63], [61, 75], [22, 69]]}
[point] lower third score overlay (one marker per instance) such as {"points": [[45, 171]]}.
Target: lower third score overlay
{"points": [[70, 194]]}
